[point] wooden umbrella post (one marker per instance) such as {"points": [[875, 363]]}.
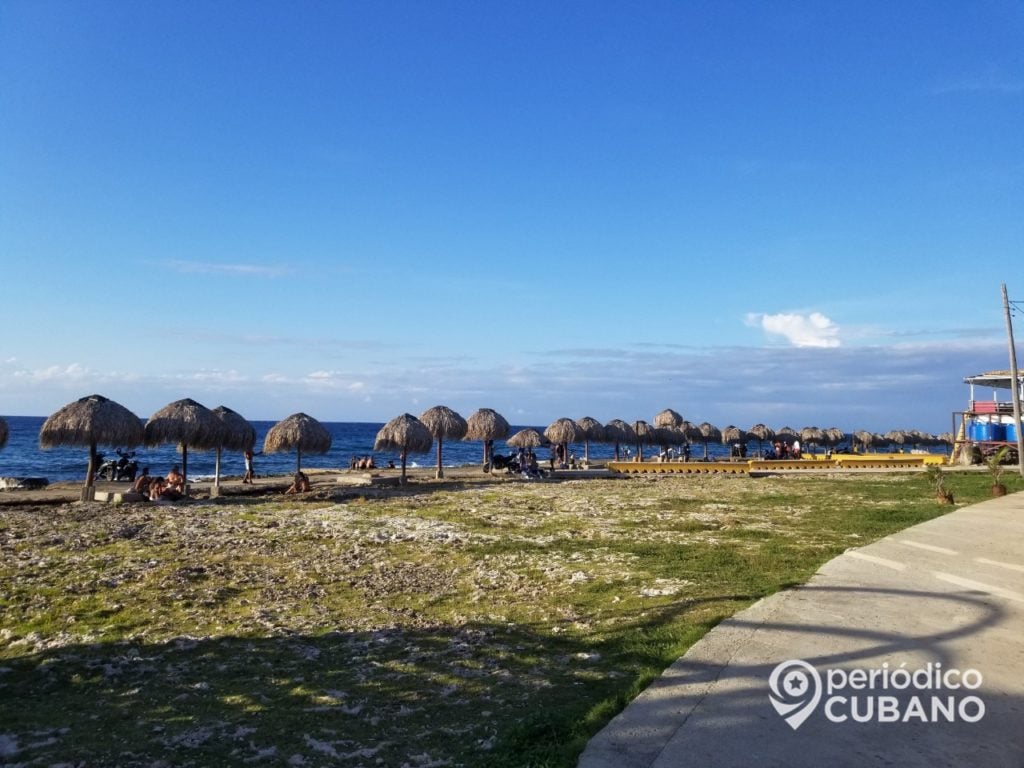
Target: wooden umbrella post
{"points": [[184, 469], [89, 492]]}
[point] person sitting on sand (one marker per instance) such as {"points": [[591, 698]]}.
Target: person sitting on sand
{"points": [[160, 490], [142, 482], [176, 480], [300, 483]]}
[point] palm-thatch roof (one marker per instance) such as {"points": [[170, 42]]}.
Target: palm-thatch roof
{"points": [[4, 432], [835, 435], [668, 418], [404, 433], [946, 438], [90, 421], [618, 431], [709, 432], [486, 424], [591, 428], [443, 423], [239, 434], [812, 435], [644, 433], [762, 432], [866, 438], [187, 423], [563, 431], [299, 432], [897, 436], [733, 434], [692, 431], [786, 434], [526, 438]]}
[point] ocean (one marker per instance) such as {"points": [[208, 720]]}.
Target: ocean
{"points": [[22, 456]]}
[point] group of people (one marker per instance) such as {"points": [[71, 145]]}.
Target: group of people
{"points": [[560, 458], [671, 453], [362, 462], [781, 450], [169, 488]]}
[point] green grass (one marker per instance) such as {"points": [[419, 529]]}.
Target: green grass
{"points": [[496, 625]]}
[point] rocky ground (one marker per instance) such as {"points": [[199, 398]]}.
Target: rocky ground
{"points": [[475, 621]]}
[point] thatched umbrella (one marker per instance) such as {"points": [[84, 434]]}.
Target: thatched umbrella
{"points": [[617, 431], [668, 418], [403, 434], [786, 434], [735, 435], [187, 423], [835, 435], [709, 432], [526, 438], [91, 421], [486, 425], [812, 435], [592, 429], [896, 436], [732, 434], [865, 438], [443, 422], [645, 434], [762, 432], [239, 435], [301, 432], [3, 432], [562, 432]]}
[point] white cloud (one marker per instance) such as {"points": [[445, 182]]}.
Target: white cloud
{"points": [[74, 371], [230, 270], [813, 330]]}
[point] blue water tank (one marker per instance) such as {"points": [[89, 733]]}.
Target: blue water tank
{"points": [[984, 431], [1011, 433]]}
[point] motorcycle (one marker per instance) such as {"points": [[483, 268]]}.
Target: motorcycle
{"points": [[123, 469]]}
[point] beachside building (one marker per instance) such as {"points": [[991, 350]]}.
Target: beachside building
{"points": [[988, 422]]}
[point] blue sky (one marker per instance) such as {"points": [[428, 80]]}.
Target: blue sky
{"points": [[791, 212]]}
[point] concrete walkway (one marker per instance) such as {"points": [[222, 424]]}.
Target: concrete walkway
{"points": [[949, 592]]}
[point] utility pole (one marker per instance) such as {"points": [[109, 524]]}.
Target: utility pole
{"points": [[1014, 384]]}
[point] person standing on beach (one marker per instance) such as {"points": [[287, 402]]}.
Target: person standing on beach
{"points": [[248, 467]]}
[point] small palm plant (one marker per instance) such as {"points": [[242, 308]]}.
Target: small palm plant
{"points": [[937, 478], [996, 469]]}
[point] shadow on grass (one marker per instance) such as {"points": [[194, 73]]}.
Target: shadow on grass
{"points": [[480, 694]]}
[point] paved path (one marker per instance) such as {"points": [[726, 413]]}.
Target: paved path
{"points": [[948, 591]]}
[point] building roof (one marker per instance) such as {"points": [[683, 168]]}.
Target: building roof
{"points": [[994, 379]]}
